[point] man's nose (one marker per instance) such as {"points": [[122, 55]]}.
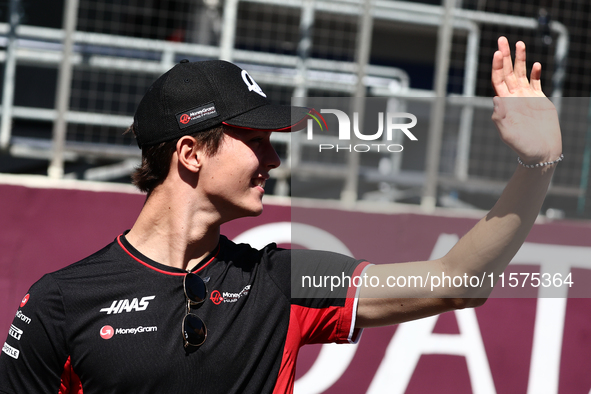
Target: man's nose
{"points": [[272, 159]]}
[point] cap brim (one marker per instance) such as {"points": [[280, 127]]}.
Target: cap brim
{"points": [[283, 118]]}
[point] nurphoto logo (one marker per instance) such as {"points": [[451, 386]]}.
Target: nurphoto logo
{"points": [[390, 123]]}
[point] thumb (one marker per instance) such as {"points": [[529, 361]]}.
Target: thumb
{"points": [[499, 109]]}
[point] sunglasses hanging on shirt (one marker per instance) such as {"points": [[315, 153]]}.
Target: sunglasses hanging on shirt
{"points": [[194, 330]]}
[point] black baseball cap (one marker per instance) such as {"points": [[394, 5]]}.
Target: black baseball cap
{"points": [[196, 96]]}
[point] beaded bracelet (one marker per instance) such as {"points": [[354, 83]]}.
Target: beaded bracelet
{"points": [[547, 163]]}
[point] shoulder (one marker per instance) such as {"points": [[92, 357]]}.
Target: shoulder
{"points": [[274, 258], [84, 279], [270, 263], [106, 261], [245, 252], [273, 254], [287, 267]]}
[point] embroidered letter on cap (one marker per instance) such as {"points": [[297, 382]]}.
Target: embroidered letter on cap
{"points": [[252, 85]]}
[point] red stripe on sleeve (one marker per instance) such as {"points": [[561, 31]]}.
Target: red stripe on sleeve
{"points": [[293, 342], [317, 325]]}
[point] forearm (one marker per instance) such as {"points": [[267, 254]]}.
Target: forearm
{"points": [[492, 243], [487, 248]]}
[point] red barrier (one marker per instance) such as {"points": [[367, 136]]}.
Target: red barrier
{"points": [[509, 345]]}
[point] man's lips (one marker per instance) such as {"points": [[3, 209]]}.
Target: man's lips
{"points": [[259, 182]]}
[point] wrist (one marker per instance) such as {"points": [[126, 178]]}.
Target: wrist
{"points": [[540, 164]]}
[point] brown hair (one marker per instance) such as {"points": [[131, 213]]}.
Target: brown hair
{"points": [[156, 158]]}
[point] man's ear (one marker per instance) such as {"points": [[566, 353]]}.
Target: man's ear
{"points": [[188, 153]]}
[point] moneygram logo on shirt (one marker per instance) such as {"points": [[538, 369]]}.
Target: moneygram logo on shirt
{"points": [[107, 332], [390, 123]]}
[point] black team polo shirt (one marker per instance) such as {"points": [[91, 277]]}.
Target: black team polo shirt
{"points": [[111, 323]]}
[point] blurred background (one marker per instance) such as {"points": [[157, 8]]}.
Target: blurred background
{"points": [[67, 98]]}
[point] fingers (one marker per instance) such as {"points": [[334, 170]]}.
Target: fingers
{"points": [[498, 75], [508, 77], [535, 77], [519, 67]]}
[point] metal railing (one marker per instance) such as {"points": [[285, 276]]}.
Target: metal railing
{"points": [[36, 45]]}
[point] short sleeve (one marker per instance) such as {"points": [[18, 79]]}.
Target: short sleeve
{"points": [[34, 353], [324, 294]]}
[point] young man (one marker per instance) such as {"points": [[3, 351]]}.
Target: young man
{"points": [[173, 306]]}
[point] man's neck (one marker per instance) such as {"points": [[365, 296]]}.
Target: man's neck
{"points": [[173, 232]]}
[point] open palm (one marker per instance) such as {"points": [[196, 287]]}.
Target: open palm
{"points": [[526, 119]]}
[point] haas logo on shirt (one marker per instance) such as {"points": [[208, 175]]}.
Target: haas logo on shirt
{"points": [[134, 305]]}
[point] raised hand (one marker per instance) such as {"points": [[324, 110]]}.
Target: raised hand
{"points": [[527, 121]]}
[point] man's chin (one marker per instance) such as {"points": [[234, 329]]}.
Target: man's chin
{"points": [[257, 212], [252, 212]]}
